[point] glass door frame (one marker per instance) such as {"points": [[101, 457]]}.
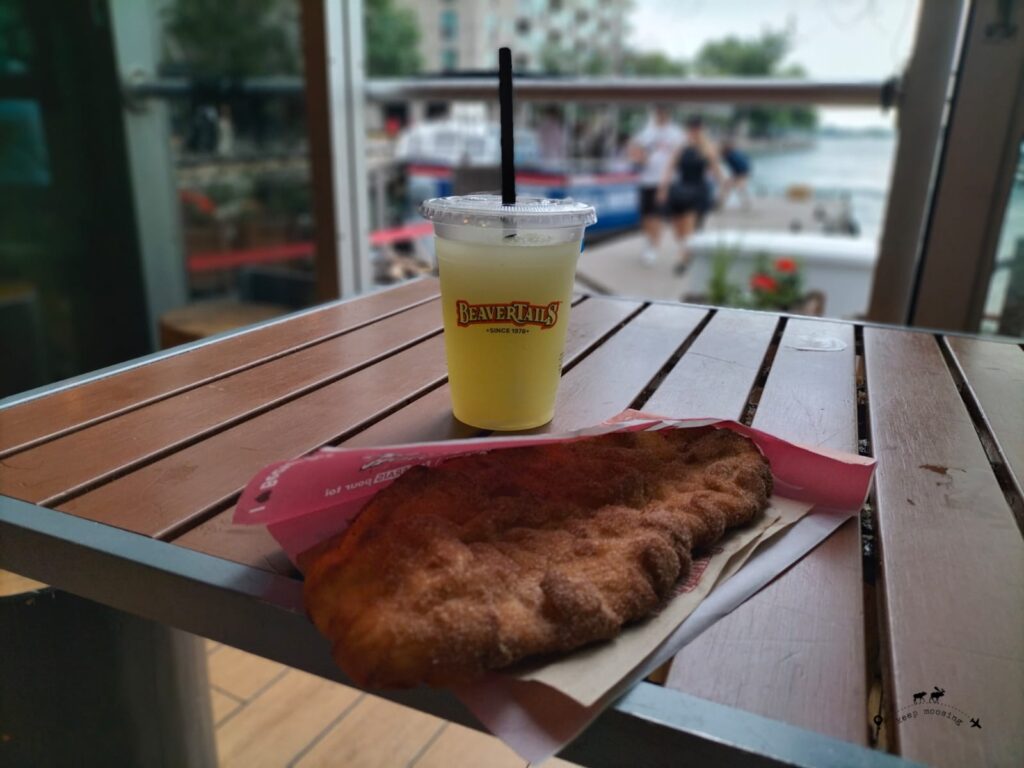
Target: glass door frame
{"points": [[974, 173]]}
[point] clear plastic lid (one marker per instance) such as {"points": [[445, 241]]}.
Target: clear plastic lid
{"points": [[486, 211]]}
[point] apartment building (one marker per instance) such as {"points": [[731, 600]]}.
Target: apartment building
{"points": [[464, 34]]}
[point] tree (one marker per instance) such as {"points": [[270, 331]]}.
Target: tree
{"points": [[761, 56], [735, 57], [392, 40], [232, 38], [559, 60], [653, 64]]}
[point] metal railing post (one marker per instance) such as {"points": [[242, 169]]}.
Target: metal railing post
{"points": [[920, 129], [343, 35], [979, 162]]}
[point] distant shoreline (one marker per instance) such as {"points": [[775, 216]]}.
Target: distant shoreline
{"points": [[761, 147]]}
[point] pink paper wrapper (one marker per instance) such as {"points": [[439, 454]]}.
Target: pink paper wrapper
{"points": [[307, 500]]}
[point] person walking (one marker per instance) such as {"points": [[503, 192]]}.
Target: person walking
{"points": [[738, 163], [652, 150], [685, 187]]}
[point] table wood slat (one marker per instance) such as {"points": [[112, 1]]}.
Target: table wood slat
{"points": [[715, 376], [610, 378], [795, 651], [995, 373], [114, 445], [427, 418], [45, 417], [169, 493], [952, 564], [637, 352]]}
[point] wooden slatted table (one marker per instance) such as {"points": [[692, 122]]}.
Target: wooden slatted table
{"points": [[120, 487]]}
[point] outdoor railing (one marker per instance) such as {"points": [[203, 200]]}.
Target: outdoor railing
{"points": [[645, 90], [481, 87]]}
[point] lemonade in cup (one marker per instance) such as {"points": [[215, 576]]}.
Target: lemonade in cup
{"points": [[506, 292]]}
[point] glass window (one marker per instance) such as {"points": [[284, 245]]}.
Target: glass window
{"points": [[795, 177], [241, 157], [121, 210], [1004, 307], [23, 157], [449, 24], [15, 39]]}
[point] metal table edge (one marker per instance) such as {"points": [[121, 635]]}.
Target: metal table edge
{"points": [[262, 613], [138, 362]]}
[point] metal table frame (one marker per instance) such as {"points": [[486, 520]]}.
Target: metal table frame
{"points": [[262, 613]]}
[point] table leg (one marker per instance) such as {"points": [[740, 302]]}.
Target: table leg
{"points": [[84, 684]]}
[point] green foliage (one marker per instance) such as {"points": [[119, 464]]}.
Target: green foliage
{"points": [[392, 40], [721, 292], [772, 284], [732, 56], [558, 60], [232, 38], [737, 57], [653, 64], [284, 195], [761, 56]]}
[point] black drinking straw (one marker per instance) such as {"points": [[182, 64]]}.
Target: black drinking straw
{"points": [[508, 165]]}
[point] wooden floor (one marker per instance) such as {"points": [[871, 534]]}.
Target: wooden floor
{"points": [[267, 714], [270, 715]]}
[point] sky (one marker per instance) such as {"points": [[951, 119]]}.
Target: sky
{"points": [[833, 39]]}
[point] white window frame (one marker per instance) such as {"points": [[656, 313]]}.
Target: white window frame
{"points": [[976, 171]]}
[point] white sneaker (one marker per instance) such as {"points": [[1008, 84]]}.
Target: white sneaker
{"points": [[648, 257]]}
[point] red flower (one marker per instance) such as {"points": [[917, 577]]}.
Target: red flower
{"points": [[763, 282], [786, 265]]}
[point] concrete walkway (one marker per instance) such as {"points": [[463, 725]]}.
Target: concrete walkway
{"points": [[615, 266]]}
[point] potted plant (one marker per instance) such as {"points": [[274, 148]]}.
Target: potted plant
{"points": [[774, 284]]}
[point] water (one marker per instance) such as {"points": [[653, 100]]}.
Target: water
{"points": [[857, 166], [860, 167], [1011, 240]]}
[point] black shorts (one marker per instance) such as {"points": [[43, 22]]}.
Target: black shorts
{"points": [[689, 198], [649, 202]]}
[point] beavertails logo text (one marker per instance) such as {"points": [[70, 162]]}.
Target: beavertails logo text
{"points": [[512, 313]]}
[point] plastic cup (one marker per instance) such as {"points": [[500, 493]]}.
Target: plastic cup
{"points": [[506, 292]]}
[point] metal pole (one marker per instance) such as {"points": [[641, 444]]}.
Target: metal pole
{"points": [[136, 34], [920, 127], [979, 161], [343, 32], [379, 183], [622, 90], [639, 90], [85, 684]]}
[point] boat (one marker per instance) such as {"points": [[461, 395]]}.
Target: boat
{"points": [[435, 152]]}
